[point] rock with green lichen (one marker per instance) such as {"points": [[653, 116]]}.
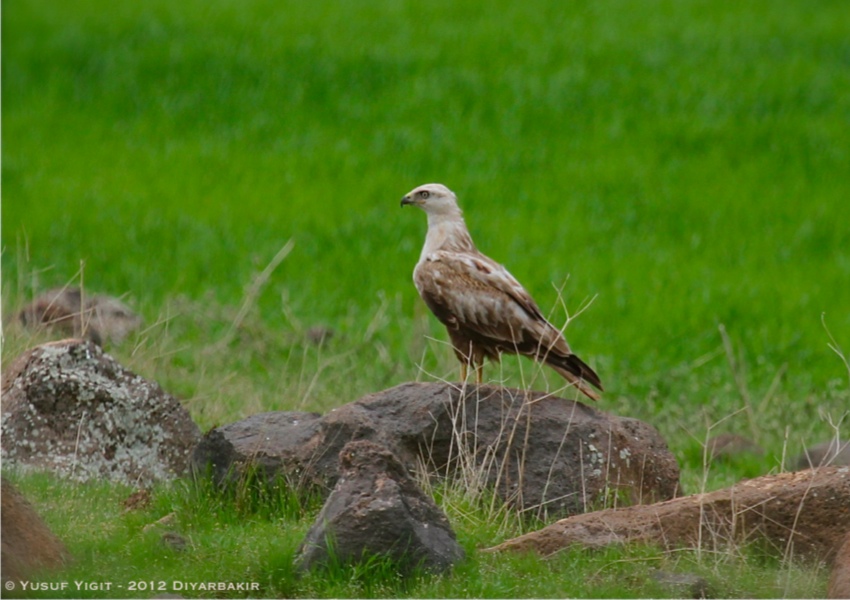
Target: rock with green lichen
{"points": [[69, 407]]}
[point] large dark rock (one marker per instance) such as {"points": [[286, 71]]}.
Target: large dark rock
{"points": [[71, 408], [376, 509], [543, 454], [270, 444], [28, 545], [804, 513]]}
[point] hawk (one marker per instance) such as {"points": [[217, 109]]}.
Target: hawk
{"points": [[484, 308]]}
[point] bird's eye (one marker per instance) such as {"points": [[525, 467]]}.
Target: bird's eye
{"points": [[424, 194]]}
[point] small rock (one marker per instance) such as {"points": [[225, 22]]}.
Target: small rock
{"points": [[70, 312], [834, 452], [318, 334], [166, 520], [376, 509], [175, 541], [684, 585], [730, 445], [137, 501]]}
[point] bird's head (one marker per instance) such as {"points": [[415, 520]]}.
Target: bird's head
{"points": [[434, 198]]}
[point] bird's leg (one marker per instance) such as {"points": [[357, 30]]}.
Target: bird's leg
{"points": [[479, 373], [463, 372]]}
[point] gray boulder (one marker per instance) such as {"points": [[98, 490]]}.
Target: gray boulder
{"points": [[376, 509], [69, 407], [541, 453]]}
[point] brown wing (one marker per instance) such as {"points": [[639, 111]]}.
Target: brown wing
{"points": [[474, 293], [479, 301]]}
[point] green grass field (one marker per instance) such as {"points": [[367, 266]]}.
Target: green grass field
{"points": [[683, 164]]}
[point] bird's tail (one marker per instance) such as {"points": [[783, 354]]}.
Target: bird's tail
{"points": [[577, 372]]}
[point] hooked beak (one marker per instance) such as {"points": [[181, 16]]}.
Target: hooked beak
{"points": [[407, 200]]}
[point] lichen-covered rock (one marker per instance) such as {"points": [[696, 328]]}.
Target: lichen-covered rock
{"points": [[376, 509], [69, 407], [542, 454]]}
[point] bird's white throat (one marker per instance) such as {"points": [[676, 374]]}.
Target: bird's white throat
{"points": [[446, 233]]}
